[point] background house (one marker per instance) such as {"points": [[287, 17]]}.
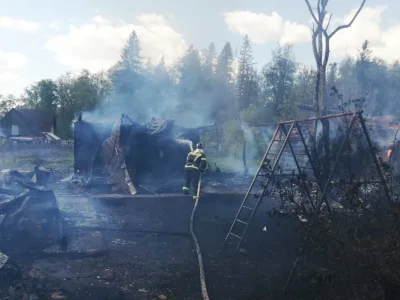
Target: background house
{"points": [[28, 123]]}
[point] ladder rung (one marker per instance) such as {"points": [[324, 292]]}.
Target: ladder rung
{"points": [[243, 222], [244, 206], [282, 135], [261, 181], [235, 235], [291, 140], [263, 175]]}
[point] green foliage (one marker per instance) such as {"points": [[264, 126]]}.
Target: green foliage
{"points": [[130, 54], [224, 105], [42, 95], [203, 88], [82, 92], [224, 67], [247, 77], [278, 83], [7, 103], [191, 82], [254, 114], [304, 90]]}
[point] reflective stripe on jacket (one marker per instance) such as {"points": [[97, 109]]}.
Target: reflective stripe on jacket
{"points": [[196, 160]]}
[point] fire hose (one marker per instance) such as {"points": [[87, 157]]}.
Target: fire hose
{"points": [[200, 258]]}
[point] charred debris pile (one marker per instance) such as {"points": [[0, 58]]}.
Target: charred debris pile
{"points": [[131, 158], [29, 219]]}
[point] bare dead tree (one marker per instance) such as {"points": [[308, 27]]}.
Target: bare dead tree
{"points": [[321, 49]]}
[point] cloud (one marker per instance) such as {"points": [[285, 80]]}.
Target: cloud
{"points": [[259, 27], [97, 44], [54, 25], [18, 25], [11, 64], [12, 60], [262, 28], [9, 77], [294, 33], [384, 42]]}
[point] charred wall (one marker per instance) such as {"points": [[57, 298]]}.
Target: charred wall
{"points": [[147, 155], [87, 140]]}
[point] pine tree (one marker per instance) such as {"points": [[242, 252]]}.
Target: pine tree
{"points": [[164, 89], [246, 79], [278, 82], [223, 106], [191, 93], [161, 64], [209, 61], [332, 76], [130, 54], [128, 78], [224, 69], [362, 66], [157, 91], [190, 77]]}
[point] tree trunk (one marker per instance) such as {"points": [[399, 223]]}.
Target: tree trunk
{"points": [[322, 89], [326, 164], [321, 50], [314, 138], [325, 123]]}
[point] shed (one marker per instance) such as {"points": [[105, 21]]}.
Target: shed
{"points": [[28, 122]]}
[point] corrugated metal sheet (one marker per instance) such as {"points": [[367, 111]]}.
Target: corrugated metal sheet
{"points": [[3, 259], [51, 136], [115, 162]]}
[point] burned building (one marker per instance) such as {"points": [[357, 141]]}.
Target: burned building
{"points": [[28, 122], [127, 154]]}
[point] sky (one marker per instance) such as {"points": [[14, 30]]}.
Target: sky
{"points": [[43, 39]]}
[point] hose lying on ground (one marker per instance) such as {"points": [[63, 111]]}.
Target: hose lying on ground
{"points": [[201, 265]]}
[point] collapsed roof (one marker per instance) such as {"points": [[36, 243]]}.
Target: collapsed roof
{"points": [[127, 152]]}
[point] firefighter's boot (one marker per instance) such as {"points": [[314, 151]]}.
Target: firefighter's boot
{"points": [[185, 190]]}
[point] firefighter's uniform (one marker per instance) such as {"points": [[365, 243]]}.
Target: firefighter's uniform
{"points": [[196, 163]]}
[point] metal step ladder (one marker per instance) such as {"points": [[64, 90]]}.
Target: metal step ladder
{"points": [[266, 173]]}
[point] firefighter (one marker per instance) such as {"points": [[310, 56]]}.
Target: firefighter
{"points": [[196, 163]]}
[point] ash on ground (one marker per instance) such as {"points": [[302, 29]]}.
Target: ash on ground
{"points": [[83, 247]]}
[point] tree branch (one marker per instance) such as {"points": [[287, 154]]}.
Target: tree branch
{"points": [[329, 22], [311, 11], [350, 23], [319, 9], [314, 46], [327, 50]]}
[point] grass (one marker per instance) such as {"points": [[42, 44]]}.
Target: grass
{"points": [[230, 163], [26, 159], [63, 159]]}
